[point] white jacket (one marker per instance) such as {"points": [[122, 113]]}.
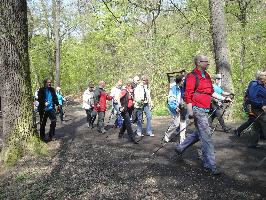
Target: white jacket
{"points": [[88, 100], [139, 94]]}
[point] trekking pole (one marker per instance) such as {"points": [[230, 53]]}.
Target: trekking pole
{"points": [[220, 116], [261, 162], [252, 123], [178, 134]]}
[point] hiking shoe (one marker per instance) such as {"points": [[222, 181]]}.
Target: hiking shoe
{"points": [[214, 172], [151, 135], [131, 139], [120, 135], [166, 139], [226, 129], [178, 151], [255, 146], [102, 131], [139, 134], [236, 133]]}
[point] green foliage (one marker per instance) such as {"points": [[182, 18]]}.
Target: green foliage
{"points": [[127, 42], [160, 111], [16, 150]]}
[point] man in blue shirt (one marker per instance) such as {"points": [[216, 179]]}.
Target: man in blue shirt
{"points": [[257, 99], [47, 100], [216, 104]]}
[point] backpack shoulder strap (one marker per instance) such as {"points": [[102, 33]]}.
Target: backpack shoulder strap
{"points": [[197, 80]]}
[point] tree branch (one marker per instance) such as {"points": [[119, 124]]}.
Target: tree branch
{"points": [[106, 5]]}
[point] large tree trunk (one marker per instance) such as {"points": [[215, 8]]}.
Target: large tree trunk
{"points": [[15, 76], [219, 43], [57, 41]]}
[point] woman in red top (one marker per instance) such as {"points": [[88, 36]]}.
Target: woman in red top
{"points": [[127, 101]]}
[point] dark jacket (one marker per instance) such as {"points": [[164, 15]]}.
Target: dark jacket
{"points": [[256, 94], [41, 98], [100, 97]]}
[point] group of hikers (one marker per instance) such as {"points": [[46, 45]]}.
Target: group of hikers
{"points": [[194, 96], [128, 104]]}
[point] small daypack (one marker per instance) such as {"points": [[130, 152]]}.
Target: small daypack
{"points": [[119, 121], [197, 80]]}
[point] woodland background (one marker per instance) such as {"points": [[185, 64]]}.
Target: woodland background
{"points": [[112, 39]]}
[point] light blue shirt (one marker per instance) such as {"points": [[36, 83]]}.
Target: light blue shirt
{"points": [[49, 100]]}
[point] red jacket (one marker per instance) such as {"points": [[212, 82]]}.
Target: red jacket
{"points": [[130, 100], [202, 96], [100, 100]]}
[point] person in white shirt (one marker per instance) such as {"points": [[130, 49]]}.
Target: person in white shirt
{"points": [[115, 92], [88, 102], [143, 103]]}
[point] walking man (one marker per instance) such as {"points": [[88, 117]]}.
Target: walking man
{"points": [[100, 97], [257, 99], [198, 101], [47, 100]]}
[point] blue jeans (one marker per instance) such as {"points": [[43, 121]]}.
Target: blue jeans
{"points": [[146, 109], [202, 133]]}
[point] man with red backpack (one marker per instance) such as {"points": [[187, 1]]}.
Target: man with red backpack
{"points": [[198, 101], [100, 97], [126, 108]]}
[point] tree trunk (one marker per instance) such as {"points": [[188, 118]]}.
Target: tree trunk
{"points": [[15, 77], [57, 42], [219, 43]]}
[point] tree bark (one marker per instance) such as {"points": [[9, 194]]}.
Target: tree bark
{"points": [[219, 43], [57, 42], [15, 76]]}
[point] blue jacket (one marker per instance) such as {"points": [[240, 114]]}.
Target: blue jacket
{"points": [[256, 94], [174, 99], [60, 98]]}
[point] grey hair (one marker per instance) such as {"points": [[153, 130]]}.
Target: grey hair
{"points": [[198, 58], [260, 74]]}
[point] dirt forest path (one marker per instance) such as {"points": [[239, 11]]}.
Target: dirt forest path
{"points": [[84, 164]]}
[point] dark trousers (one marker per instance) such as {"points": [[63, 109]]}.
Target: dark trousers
{"points": [[88, 113], [219, 114], [133, 115], [126, 123], [100, 122], [61, 112], [43, 119], [251, 119]]}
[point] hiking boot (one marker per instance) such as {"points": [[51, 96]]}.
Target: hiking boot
{"points": [[120, 135], [236, 133], [151, 135]]}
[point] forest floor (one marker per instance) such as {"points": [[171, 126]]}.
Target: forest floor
{"points": [[84, 164]]}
